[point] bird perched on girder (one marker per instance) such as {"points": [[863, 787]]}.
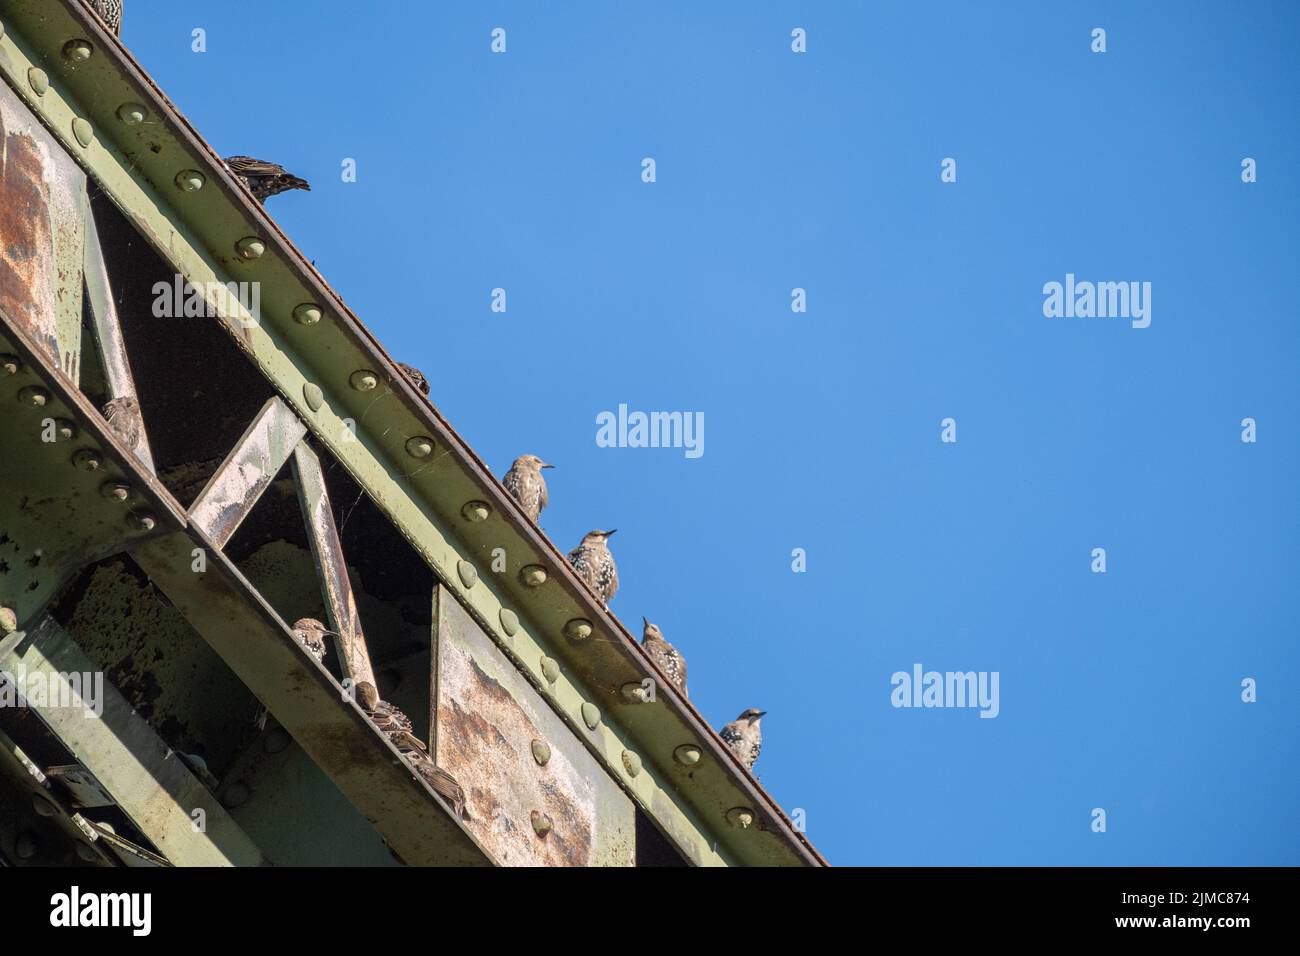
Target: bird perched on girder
{"points": [[595, 565], [123, 417], [264, 179], [526, 485], [311, 634], [415, 376], [665, 657], [397, 727], [110, 11], [744, 737]]}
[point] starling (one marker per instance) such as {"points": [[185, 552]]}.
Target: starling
{"points": [[595, 565], [743, 736], [397, 727], [110, 11], [123, 417], [415, 376], [310, 633], [526, 485], [666, 657], [264, 180]]}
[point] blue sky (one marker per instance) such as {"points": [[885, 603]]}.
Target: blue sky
{"points": [[821, 170]]}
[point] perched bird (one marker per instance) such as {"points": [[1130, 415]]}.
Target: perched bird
{"points": [[110, 11], [666, 657], [595, 565], [310, 633], [744, 737], [526, 485], [415, 376], [263, 179], [123, 417], [397, 727]]}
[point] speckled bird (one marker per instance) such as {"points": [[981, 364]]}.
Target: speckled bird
{"points": [[666, 657], [397, 727], [311, 633], [595, 565], [264, 179], [526, 485], [110, 11], [415, 377], [744, 737], [123, 417]]}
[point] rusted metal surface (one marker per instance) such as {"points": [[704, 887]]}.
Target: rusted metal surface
{"points": [[108, 332], [256, 644], [42, 209], [247, 471], [488, 718], [327, 552], [147, 779]]}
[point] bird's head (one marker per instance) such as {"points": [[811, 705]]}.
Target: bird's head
{"points": [[596, 537], [650, 631], [752, 715], [311, 626], [531, 461], [367, 695]]}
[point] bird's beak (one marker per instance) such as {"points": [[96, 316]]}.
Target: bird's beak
{"points": [[762, 713], [610, 533], [544, 465], [645, 620]]}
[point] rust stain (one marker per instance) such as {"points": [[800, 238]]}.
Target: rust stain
{"points": [[26, 237]]}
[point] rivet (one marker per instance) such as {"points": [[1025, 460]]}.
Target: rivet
{"points": [[533, 575], [741, 817], [590, 714], [78, 51], [419, 446], [84, 132], [634, 692], [509, 622], [8, 621], [250, 247], [26, 846], [87, 852], [38, 81], [64, 430], [87, 460], [631, 763], [363, 380], [468, 573], [276, 740], [541, 752], [33, 396], [476, 511], [190, 180], [541, 823], [132, 114], [313, 396], [115, 490], [306, 314], [550, 669], [688, 755], [236, 795], [141, 521], [11, 364], [579, 629], [43, 806]]}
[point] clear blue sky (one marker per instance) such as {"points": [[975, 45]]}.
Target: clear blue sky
{"points": [[775, 170]]}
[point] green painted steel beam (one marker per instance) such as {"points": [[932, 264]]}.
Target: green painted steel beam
{"points": [[417, 470]]}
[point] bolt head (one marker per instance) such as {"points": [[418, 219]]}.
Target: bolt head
{"points": [[550, 669], [64, 430], [363, 380], [87, 460], [38, 80], [313, 396], [419, 446], [476, 511], [541, 752], [468, 573], [33, 397], [132, 114], [541, 823], [688, 755], [43, 806], [579, 629], [307, 314], [77, 51], [190, 180], [590, 714], [634, 693], [10, 364], [8, 621], [533, 576], [84, 132], [741, 817], [250, 247], [631, 763], [142, 521], [115, 490], [509, 622]]}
